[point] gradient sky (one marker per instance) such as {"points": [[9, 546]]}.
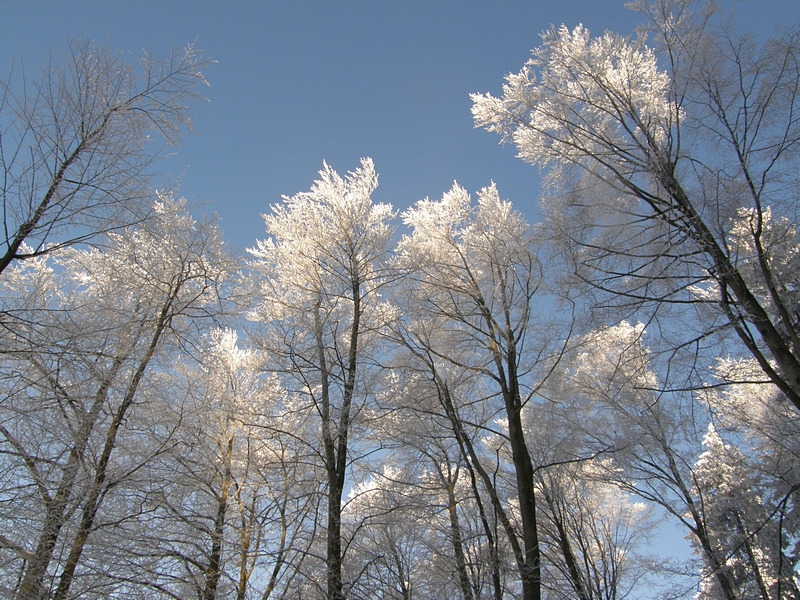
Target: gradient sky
{"points": [[299, 82]]}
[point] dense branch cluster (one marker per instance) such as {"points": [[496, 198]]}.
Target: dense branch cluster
{"points": [[478, 408]]}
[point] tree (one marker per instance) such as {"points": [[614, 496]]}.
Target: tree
{"points": [[76, 355], [747, 477], [655, 445], [455, 402], [435, 484], [593, 531], [76, 145], [720, 479], [391, 550], [474, 273], [674, 170], [231, 494], [319, 303]]}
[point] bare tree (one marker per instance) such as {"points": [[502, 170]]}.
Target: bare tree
{"points": [[74, 361], [674, 170], [76, 145], [474, 272], [607, 393], [320, 306], [427, 468], [230, 495]]}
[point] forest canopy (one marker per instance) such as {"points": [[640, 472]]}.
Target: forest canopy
{"points": [[446, 401]]}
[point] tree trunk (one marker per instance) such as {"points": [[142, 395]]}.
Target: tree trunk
{"points": [[96, 494], [458, 544], [336, 443], [470, 456], [523, 467], [31, 587], [217, 538], [566, 549]]}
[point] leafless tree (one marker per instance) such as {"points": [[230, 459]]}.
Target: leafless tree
{"points": [[673, 171], [77, 150]]}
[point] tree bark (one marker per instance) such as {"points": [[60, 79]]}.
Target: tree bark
{"points": [[457, 541]]}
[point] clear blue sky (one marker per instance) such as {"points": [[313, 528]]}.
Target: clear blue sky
{"points": [[299, 82]]}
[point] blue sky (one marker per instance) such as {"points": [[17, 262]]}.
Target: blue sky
{"points": [[300, 82]]}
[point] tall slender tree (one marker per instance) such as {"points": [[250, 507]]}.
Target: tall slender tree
{"points": [[82, 356], [321, 270], [474, 270]]}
